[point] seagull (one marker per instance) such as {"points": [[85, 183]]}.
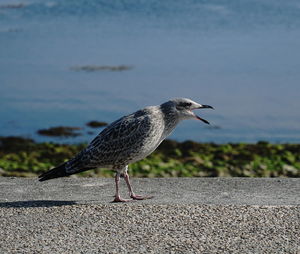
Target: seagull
{"points": [[127, 140]]}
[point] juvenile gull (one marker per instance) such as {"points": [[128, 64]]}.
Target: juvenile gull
{"points": [[127, 140]]}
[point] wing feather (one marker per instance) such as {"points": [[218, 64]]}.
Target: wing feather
{"points": [[116, 143]]}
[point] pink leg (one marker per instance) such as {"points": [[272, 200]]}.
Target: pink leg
{"points": [[117, 196], [131, 193]]}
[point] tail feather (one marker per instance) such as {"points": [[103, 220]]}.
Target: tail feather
{"points": [[59, 171]]}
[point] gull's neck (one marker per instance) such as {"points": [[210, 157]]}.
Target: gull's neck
{"points": [[171, 119]]}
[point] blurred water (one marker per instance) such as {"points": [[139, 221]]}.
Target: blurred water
{"points": [[242, 57]]}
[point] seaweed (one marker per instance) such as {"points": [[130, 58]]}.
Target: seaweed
{"points": [[92, 68], [24, 157], [60, 131], [96, 124]]}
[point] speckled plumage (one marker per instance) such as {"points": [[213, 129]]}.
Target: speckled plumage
{"points": [[129, 139], [126, 140]]}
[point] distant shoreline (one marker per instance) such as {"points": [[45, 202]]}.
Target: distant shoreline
{"points": [[59, 139]]}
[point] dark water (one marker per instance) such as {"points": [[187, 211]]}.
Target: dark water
{"points": [[242, 57]]}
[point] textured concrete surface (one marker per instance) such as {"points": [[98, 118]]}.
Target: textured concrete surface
{"points": [[186, 215]]}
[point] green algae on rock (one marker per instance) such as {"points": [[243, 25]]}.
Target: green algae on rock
{"points": [[24, 157]]}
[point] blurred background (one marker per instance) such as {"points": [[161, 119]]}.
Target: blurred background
{"points": [[67, 62]]}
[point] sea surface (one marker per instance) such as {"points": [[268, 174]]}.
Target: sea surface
{"points": [[242, 57]]}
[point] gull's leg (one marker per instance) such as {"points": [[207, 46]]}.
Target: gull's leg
{"points": [[117, 196], [131, 193]]}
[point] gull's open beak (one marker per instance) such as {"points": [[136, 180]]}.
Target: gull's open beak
{"points": [[205, 106], [198, 117]]}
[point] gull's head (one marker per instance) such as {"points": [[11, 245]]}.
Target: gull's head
{"points": [[184, 108]]}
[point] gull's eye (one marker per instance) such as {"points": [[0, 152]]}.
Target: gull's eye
{"points": [[184, 105]]}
